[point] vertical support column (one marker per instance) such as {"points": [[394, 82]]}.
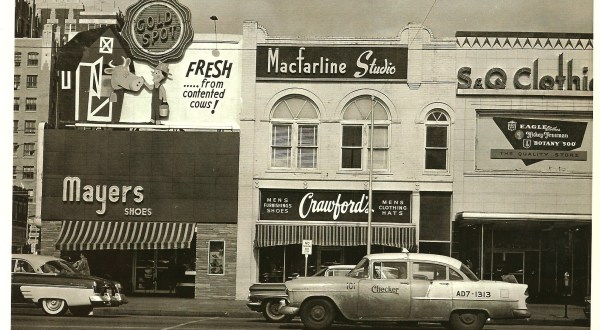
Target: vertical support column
{"points": [[415, 215]]}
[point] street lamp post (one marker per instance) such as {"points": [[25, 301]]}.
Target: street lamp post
{"points": [[215, 51], [369, 214]]}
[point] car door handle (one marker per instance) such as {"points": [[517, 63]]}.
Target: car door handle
{"points": [[444, 283]]}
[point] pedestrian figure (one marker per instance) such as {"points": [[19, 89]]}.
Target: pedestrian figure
{"points": [[82, 265]]}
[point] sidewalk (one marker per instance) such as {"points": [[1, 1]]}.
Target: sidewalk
{"points": [[541, 314]]}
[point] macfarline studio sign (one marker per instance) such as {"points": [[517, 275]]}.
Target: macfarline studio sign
{"points": [[345, 63], [325, 205], [534, 140]]}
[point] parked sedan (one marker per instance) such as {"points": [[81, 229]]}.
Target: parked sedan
{"points": [[266, 297], [54, 285], [405, 287]]}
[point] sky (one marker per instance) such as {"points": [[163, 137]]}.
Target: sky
{"points": [[385, 18]]}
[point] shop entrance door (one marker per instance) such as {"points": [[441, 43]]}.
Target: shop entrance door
{"points": [[511, 263], [152, 272]]}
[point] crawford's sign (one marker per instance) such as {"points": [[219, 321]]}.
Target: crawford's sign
{"points": [[322, 205], [527, 78], [534, 140], [365, 63], [158, 30]]}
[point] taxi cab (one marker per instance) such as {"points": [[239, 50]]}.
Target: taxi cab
{"points": [[405, 287]]}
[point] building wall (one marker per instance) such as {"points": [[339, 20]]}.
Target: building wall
{"points": [[49, 236], [549, 186], [429, 85], [41, 94], [216, 286]]}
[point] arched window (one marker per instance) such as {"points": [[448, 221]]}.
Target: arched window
{"points": [[356, 130], [295, 123], [436, 140]]}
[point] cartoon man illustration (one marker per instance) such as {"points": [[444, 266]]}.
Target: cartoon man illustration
{"points": [[159, 95]]}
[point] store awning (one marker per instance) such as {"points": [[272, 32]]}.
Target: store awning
{"points": [[334, 235], [544, 220], [105, 235]]}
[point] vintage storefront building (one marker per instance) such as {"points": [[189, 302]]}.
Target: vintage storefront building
{"points": [[523, 181], [140, 163], [311, 108]]}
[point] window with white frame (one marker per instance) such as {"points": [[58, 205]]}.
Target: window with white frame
{"points": [[30, 127], [28, 172], [33, 59], [31, 81], [356, 132], [17, 58], [31, 104], [294, 133], [436, 140], [28, 149]]}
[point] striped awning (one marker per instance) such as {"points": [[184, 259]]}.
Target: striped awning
{"points": [[335, 235], [105, 235]]}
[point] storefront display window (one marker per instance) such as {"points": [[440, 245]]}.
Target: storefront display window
{"points": [[216, 257]]}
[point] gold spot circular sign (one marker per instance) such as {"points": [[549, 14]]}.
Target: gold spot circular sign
{"points": [[158, 30]]}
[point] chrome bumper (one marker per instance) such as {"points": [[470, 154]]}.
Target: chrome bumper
{"points": [[107, 301], [289, 310], [521, 314], [255, 306]]}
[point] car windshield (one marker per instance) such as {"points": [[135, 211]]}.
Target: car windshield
{"points": [[468, 272], [58, 267], [361, 270]]}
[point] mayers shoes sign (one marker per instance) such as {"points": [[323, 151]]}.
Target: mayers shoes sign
{"points": [[158, 30], [322, 205], [534, 140], [349, 63]]}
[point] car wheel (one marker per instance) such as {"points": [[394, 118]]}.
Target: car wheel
{"points": [[271, 312], [317, 314], [54, 306], [467, 320], [81, 310]]}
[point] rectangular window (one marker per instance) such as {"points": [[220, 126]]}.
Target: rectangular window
{"points": [[14, 172], [16, 104], [436, 148], [15, 126], [307, 146], [32, 81], [18, 59], [435, 217], [390, 270], [28, 172], [31, 104], [352, 146], [428, 272], [15, 148], [30, 127], [380, 147], [216, 257], [28, 149], [17, 81], [281, 146], [30, 195], [33, 59]]}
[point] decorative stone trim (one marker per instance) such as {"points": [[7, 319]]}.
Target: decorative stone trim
{"points": [[502, 42]]}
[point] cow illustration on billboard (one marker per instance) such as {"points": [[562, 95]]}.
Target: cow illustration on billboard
{"points": [[119, 77]]}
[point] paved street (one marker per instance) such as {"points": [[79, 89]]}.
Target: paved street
{"points": [[177, 322]]}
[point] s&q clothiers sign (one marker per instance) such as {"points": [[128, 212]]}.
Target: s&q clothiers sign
{"points": [[345, 63], [534, 140], [324, 205]]}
